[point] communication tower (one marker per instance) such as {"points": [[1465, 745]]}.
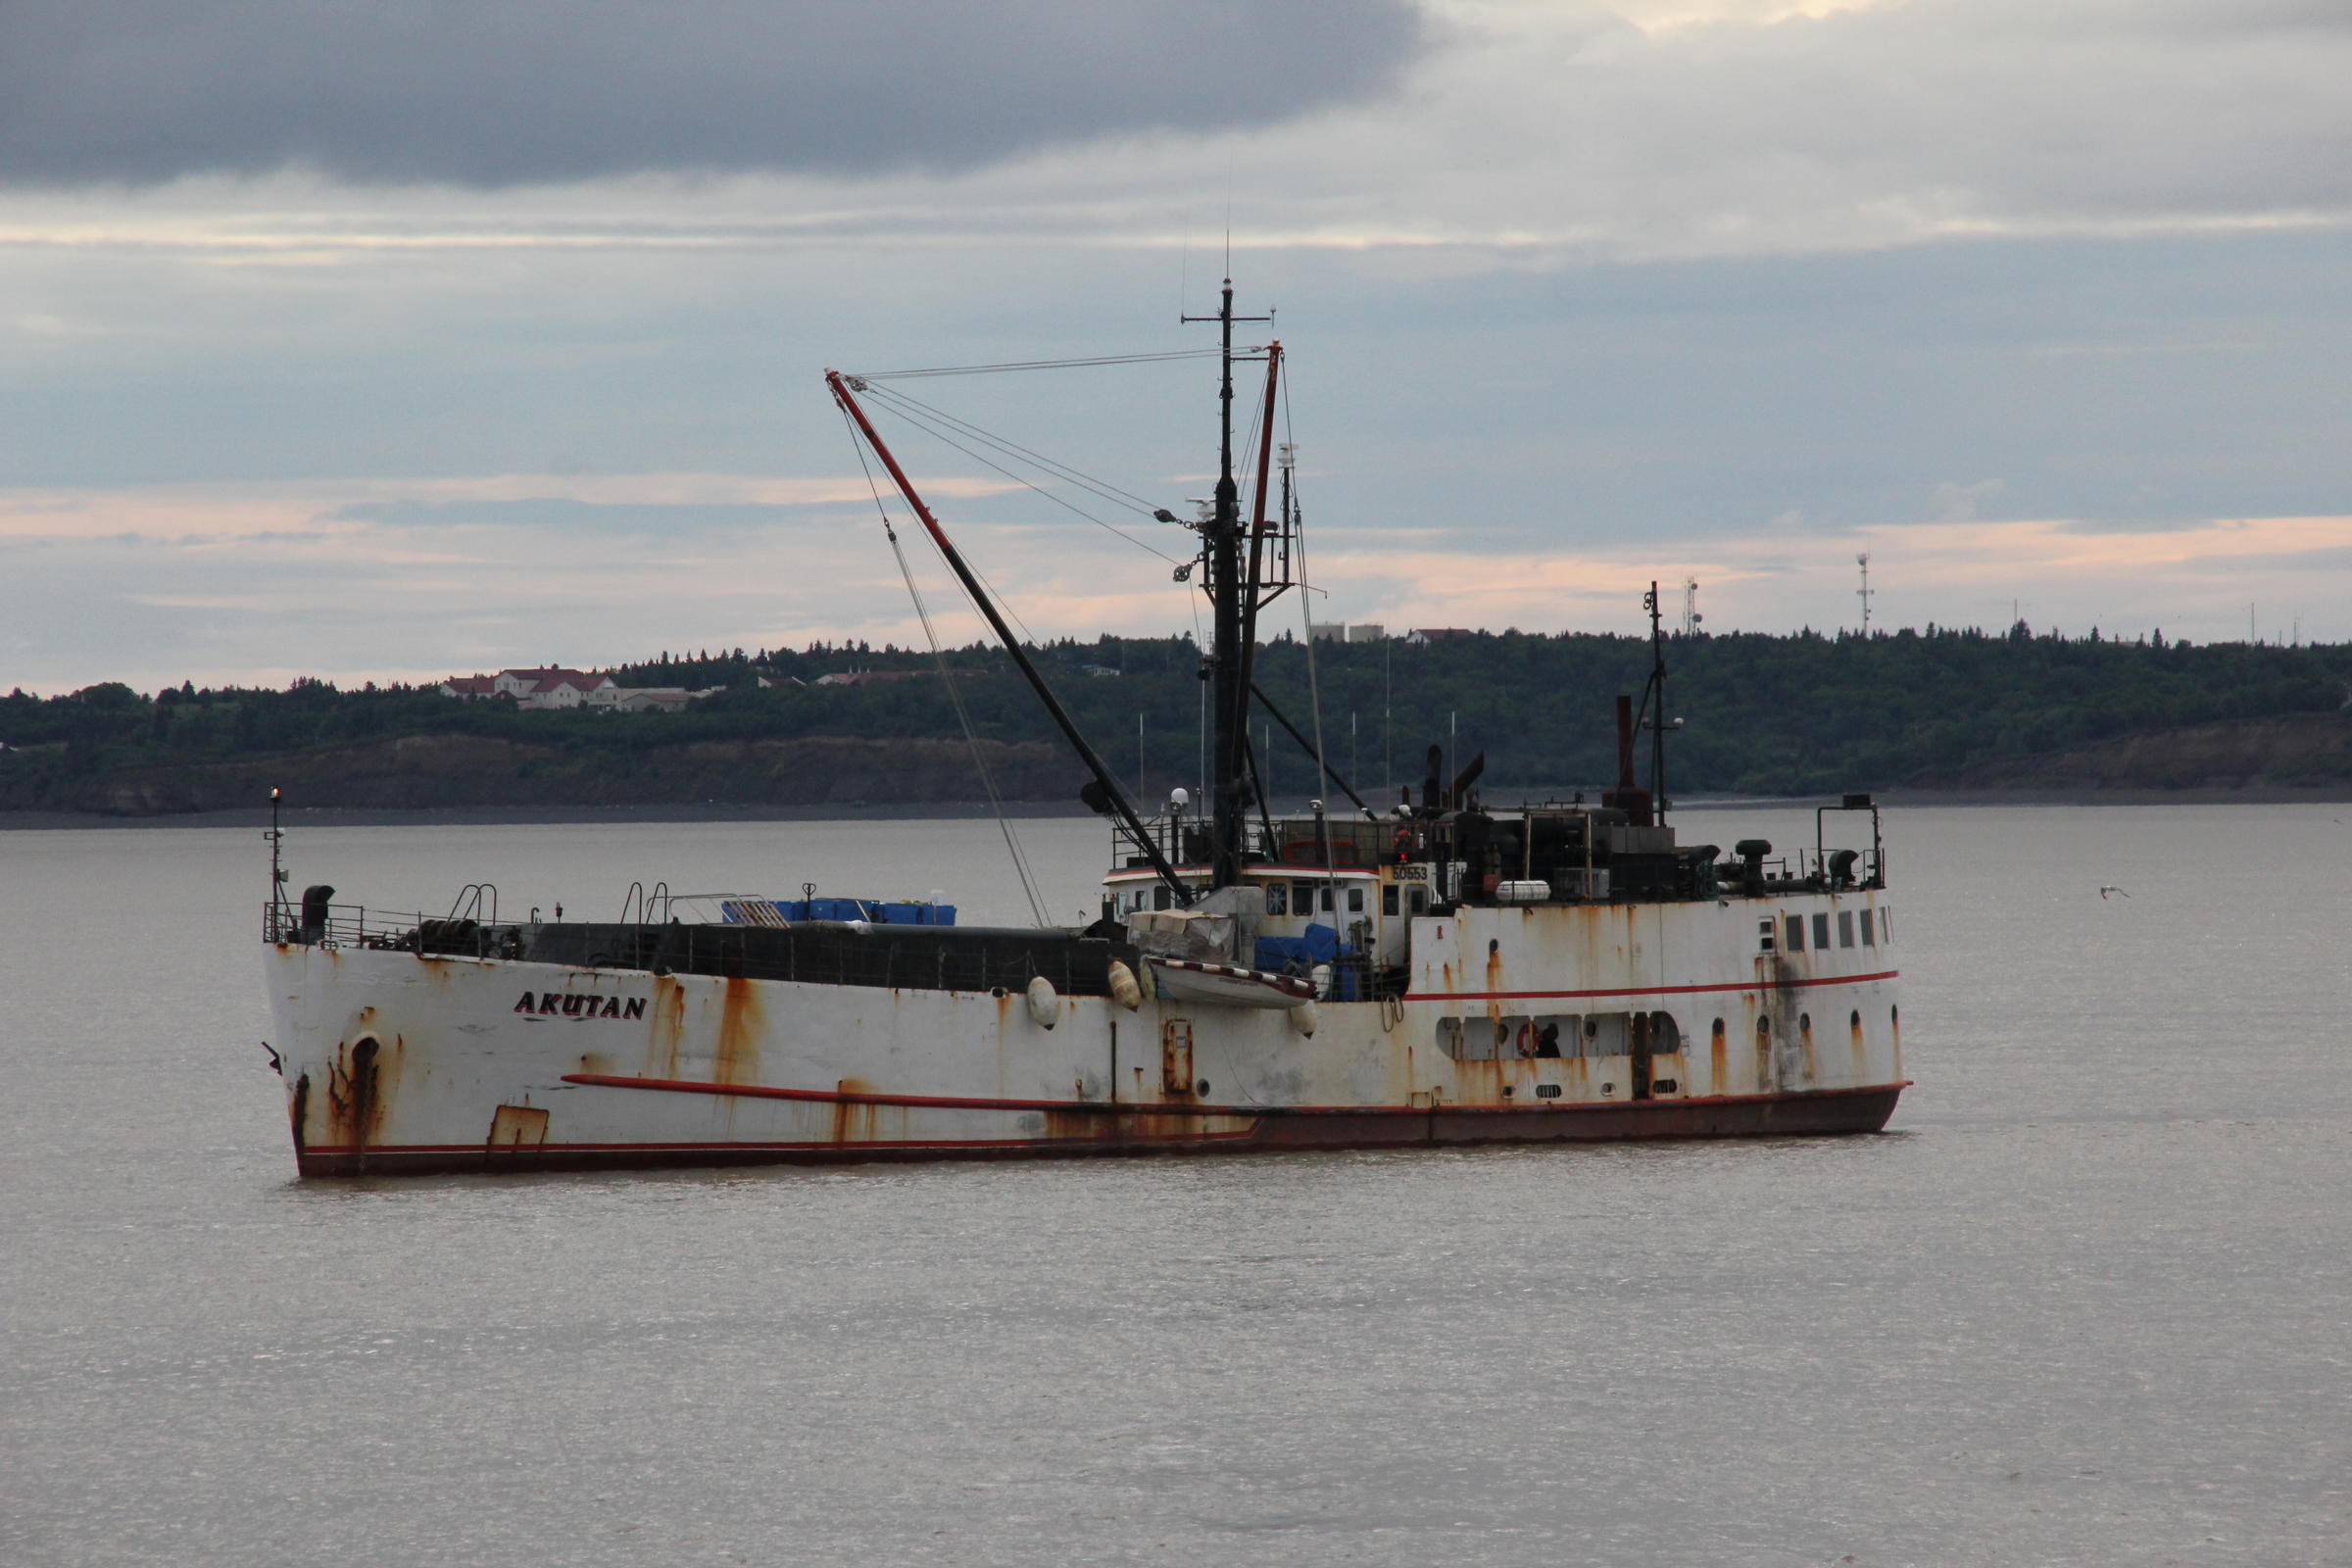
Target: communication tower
{"points": [[1863, 561], [1691, 615]]}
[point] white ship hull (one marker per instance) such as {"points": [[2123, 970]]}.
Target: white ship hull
{"points": [[1671, 1020]]}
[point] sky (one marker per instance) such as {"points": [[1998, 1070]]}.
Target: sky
{"points": [[391, 342]]}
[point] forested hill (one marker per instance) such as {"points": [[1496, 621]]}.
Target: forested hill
{"points": [[1761, 714]]}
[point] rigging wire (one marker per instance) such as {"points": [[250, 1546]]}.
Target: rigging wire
{"points": [[1053, 465], [1306, 595], [1035, 365], [921, 422], [988, 783]]}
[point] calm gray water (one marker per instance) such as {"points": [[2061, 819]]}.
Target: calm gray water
{"points": [[2085, 1303]]}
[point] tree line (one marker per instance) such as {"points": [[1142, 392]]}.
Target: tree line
{"points": [[1759, 713]]}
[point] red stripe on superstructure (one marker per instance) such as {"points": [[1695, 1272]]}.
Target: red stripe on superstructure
{"points": [[1649, 991]]}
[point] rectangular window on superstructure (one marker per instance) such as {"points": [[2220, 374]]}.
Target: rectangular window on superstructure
{"points": [[1387, 899], [1885, 925], [1870, 938], [1277, 899], [1419, 899], [1326, 898], [1846, 928], [1160, 897], [1792, 934], [1821, 931], [1303, 897], [1355, 900]]}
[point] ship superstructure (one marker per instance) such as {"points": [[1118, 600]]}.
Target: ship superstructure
{"points": [[1434, 971]]}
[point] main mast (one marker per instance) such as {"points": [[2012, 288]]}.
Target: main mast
{"points": [[1228, 591]]}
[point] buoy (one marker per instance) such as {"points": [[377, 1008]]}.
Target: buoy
{"points": [[1305, 1019], [1123, 987], [1045, 1003], [1322, 979]]}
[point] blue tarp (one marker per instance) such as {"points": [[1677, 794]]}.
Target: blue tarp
{"points": [[892, 913], [1320, 943], [1299, 954]]}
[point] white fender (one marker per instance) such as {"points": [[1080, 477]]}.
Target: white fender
{"points": [[1045, 1003], [1123, 986], [1305, 1019]]}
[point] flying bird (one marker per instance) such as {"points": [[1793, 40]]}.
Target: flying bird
{"points": [[2111, 888]]}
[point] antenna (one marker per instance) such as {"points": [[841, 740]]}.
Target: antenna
{"points": [[1863, 561], [1691, 615]]}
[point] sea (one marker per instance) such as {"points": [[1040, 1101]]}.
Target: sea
{"points": [[2088, 1300]]}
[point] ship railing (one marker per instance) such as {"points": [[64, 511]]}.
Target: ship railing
{"points": [[354, 925], [1826, 869]]}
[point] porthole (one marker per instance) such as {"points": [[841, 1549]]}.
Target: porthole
{"points": [[1205, 1086]]}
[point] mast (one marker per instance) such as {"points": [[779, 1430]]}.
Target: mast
{"points": [[1654, 705], [1229, 673], [1104, 783]]}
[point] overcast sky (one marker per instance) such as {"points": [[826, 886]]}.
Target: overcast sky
{"points": [[395, 341]]}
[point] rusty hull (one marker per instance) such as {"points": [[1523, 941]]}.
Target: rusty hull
{"points": [[397, 1063]]}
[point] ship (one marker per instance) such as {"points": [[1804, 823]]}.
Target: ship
{"points": [[1436, 970]]}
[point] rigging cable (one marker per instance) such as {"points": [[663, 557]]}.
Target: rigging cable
{"points": [[1035, 365], [922, 423], [1306, 606], [1101, 487], [988, 783]]}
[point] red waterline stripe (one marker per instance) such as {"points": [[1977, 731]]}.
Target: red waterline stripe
{"points": [[842, 1097], [1649, 991], [519, 1151], [1100, 1108]]}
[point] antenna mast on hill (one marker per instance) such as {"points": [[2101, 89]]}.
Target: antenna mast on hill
{"points": [[1691, 615], [1863, 561]]}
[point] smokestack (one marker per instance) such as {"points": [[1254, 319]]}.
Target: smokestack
{"points": [[1628, 797]]}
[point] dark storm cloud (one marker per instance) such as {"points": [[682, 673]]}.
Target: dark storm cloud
{"points": [[502, 92]]}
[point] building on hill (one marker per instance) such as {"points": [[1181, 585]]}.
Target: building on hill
{"points": [[1438, 634], [553, 687], [651, 699], [1367, 631]]}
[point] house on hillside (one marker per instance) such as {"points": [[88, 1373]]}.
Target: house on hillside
{"points": [[1438, 634], [553, 687], [871, 677]]}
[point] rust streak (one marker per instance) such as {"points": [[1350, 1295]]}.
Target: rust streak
{"points": [[739, 1029]]}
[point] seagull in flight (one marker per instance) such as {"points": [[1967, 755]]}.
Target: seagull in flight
{"points": [[2111, 888]]}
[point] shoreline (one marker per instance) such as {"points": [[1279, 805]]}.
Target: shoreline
{"points": [[714, 812]]}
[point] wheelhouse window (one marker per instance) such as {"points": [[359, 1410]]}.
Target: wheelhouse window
{"points": [[1355, 900], [1821, 931], [1869, 937], [1387, 899], [1846, 928], [1793, 933], [1278, 898], [1303, 897], [1419, 898]]}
